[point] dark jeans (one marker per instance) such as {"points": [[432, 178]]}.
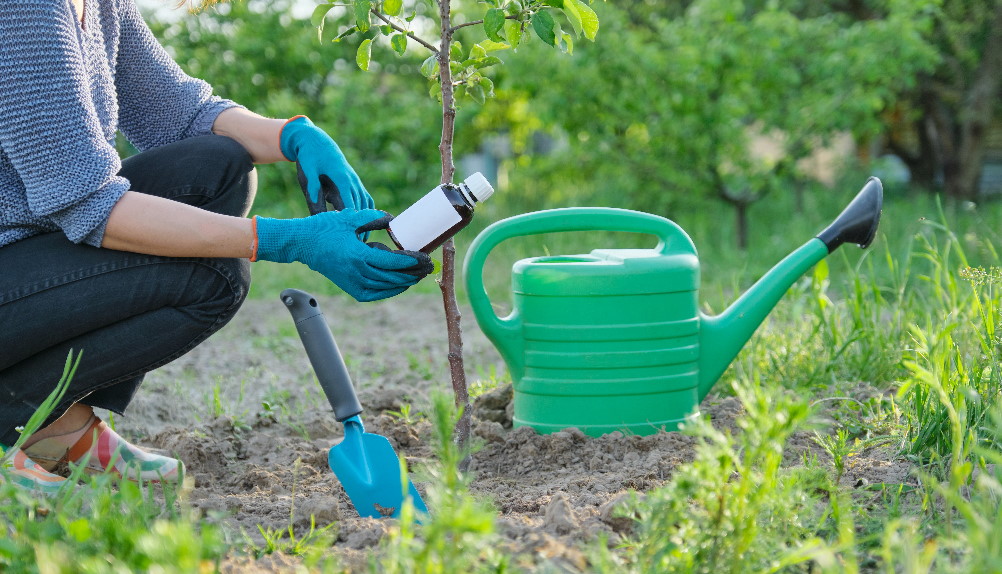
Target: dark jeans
{"points": [[127, 313]]}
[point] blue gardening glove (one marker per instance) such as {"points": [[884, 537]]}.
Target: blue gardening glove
{"points": [[317, 158], [329, 244]]}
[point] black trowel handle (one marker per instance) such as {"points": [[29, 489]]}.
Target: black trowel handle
{"points": [[323, 353]]}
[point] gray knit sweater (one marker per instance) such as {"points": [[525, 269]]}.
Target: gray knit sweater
{"points": [[65, 90]]}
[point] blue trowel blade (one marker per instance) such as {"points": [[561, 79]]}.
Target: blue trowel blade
{"points": [[369, 470]]}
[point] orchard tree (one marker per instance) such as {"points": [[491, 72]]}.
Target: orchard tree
{"points": [[456, 72], [940, 127], [674, 107], [256, 52]]}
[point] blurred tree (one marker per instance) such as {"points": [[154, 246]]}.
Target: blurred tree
{"points": [[939, 127], [677, 103], [256, 53]]}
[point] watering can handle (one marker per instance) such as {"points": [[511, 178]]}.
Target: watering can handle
{"points": [[504, 332]]}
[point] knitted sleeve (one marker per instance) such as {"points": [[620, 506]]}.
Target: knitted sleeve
{"points": [[158, 102], [49, 128]]}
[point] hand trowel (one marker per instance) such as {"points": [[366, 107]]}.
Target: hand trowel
{"points": [[365, 463]]}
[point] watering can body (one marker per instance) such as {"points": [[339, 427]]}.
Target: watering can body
{"points": [[613, 340], [609, 340]]}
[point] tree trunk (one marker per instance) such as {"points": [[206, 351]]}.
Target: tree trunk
{"points": [[977, 112], [741, 224], [740, 202], [921, 159], [954, 130], [923, 171], [447, 283]]}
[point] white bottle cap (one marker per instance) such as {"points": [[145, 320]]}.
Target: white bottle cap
{"points": [[479, 186]]}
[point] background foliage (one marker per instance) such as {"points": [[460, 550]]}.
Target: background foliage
{"points": [[672, 108]]}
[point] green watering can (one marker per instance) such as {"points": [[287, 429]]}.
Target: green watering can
{"points": [[614, 339]]}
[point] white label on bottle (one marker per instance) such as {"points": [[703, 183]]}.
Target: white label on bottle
{"points": [[423, 222]]}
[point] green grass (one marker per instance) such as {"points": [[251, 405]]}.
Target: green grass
{"points": [[98, 527]]}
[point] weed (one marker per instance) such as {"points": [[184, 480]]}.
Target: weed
{"points": [[311, 545], [105, 530], [217, 409], [733, 509], [953, 381], [42, 413], [102, 525], [842, 446], [458, 535], [277, 406], [405, 415], [422, 367], [839, 447], [488, 380]]}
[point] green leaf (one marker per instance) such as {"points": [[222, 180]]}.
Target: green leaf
{"points": [[477, 52], [570, 10], [326, 33], [399, 43], [429, 68], [456, 51], [821, 272], [476, 92], [513, 32], [364, 54], [319, 13], [567, 44], [488, 86], [542, 24], [79, 529], [492, 46], [392, 7], [362, 8], [351, 30], [493, 22], [589, 19], [435, 91], [487, 62]]}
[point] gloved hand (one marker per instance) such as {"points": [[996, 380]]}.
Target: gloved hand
{"points": [[316, 155], [329, 244]]}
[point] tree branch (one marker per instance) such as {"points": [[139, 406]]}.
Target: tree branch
{"points": [[453, 29], [405, 32]]}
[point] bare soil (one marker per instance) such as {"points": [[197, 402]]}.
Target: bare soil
{"points": [[246, 415]]}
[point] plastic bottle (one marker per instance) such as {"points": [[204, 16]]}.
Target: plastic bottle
{"points": [[437, 216]]}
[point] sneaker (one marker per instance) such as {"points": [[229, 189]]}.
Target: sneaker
{"points": [[29, 475], [100, 449]]}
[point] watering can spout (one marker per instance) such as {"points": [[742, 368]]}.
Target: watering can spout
{"points": [[723, 336]]}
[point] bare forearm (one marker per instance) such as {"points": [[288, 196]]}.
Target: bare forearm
{"points": [[156, 226], [259, 135]]}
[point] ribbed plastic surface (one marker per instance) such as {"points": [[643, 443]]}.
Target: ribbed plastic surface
{"points": [[611, 341]]}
